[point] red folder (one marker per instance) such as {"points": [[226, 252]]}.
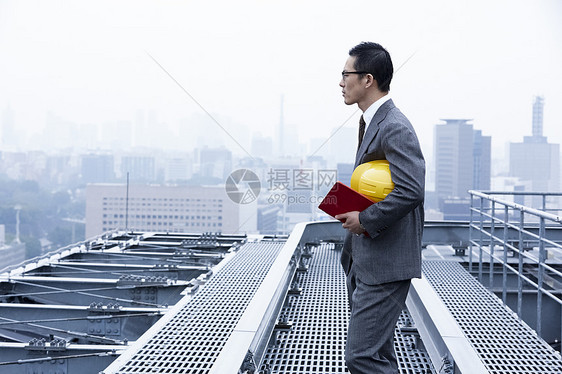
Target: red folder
{"points": [[342, 199]]}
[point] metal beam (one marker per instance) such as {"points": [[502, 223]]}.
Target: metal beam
{"points": [[443, 338]]}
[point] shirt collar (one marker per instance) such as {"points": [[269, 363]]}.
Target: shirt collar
{"points": [[370, 112]]}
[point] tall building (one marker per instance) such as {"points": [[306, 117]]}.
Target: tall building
{"points": [[345, 170], [161, 208], [140, 168], [215, 163], [482, 174], [97, 168], [538, 108], [267, 219], [178, 168], [262, 146], [535, 159], [462, 159]]}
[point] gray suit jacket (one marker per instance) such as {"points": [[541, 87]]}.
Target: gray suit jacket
{"points": [[395, 225]]}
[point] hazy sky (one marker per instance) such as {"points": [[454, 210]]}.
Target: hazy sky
{"points": [[89, 62]]}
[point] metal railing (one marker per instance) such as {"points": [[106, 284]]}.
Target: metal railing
{"points": [[522, 231]]}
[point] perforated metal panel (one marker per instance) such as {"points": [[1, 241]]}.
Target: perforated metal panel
{"points": [[502, 341], [319, 318], [191, 341]]}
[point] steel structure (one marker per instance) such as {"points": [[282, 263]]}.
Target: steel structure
{"points": [[131, 302], [75, 310]]}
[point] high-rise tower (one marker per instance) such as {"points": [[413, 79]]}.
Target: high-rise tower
{"points": [[535, 159], [462, 159], [538, 106]]}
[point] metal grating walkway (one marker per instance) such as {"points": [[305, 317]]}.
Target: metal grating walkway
{"points": [[501, 340], [411, 357], [191, 341], [319, 317]]}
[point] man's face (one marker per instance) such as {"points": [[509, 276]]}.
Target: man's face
{"points": [[352, 89]]}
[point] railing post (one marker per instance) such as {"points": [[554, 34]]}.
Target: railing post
{"points": [[505, 236], [542, 260], [520, 267], [470, 233], [481, 239], [492, 227]]}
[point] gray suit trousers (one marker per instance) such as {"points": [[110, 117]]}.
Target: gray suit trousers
{"points": [[374, 312]]}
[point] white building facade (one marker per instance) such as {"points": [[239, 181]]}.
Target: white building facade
{"points": [[160, 208]]}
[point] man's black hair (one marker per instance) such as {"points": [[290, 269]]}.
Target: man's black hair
{"points": [[374, 59]]}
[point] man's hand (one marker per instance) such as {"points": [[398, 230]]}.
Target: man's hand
{"points": [[351, 222]]}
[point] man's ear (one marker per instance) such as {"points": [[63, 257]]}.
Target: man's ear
{"points": [[370, 81]]}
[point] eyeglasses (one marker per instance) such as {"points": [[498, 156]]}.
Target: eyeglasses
{"points": [[344, 73]]}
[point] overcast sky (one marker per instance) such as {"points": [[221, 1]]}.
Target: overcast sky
{"points": [[89, 62]]}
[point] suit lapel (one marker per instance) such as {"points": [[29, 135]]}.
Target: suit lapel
{"points": [[372, 130]]}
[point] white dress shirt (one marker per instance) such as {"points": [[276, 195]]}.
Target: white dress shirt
{"points": [[370, 112]]}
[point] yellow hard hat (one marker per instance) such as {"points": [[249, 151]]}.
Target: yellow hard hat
{"points": [[373, 180]]}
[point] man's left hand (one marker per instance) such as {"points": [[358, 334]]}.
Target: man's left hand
{"points": [[351, 222]]}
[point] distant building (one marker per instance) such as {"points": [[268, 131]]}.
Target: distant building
{"points": [[97, 168], [538, 109], [262, 146], [482, 174], [535, 159], [462, 159], [506, 183], [456, 209], [60, 169], [140, 168], [162, 208], [13, 164], [267, 219], [299, 201], [178, 169], [46, 169], [215, 163], [345, 170]]}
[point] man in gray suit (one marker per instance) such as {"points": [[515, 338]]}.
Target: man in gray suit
{"points": [[379, 266]]}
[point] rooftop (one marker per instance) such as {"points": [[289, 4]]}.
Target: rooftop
{"points": [[138, 302]]}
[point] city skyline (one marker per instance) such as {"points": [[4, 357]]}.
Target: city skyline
{"points": [[262, 149], [228, 70], [136, 137]]}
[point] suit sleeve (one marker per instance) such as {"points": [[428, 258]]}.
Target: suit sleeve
{"points": [[401, 148]]}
